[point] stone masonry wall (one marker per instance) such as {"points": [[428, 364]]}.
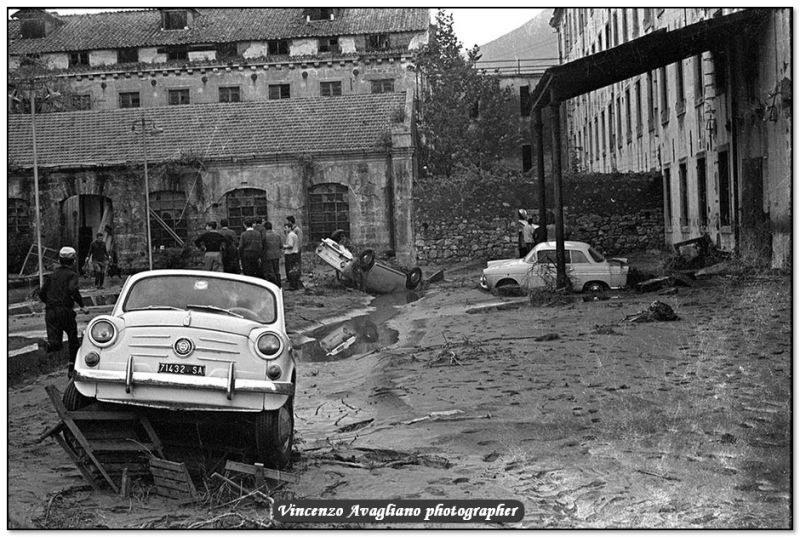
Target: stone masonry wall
{"points": [[616, 213]]}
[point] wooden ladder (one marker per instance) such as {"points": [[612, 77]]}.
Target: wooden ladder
{"points": [[104, 444]]}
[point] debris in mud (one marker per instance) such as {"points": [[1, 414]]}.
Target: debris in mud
{"points": [[547, 337], [544, 297], [349, 427], [435, 416], [605, 330], [657, 311], [668, 291], [369, 458]]}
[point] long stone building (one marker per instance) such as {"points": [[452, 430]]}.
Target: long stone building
{"points": [[716, 120], [246, 112]]}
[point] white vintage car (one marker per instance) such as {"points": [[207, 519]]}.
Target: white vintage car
{"points": [[587, 269], [196, 341]]}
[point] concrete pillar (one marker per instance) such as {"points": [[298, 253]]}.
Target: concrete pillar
{"points": [[539, 145], [558, 205]]}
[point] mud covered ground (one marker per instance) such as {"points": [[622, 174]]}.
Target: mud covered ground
{"points": [[590, 421]]}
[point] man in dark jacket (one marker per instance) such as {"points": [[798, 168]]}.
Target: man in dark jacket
{"points": [[212, 242], [251, 248], [273, 250], [230, 257], [59, 292], [98, 256]]}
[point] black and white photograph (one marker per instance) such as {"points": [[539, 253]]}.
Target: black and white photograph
{"points": [[399, 268]]}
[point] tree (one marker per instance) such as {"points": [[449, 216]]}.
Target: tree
{"points": [[465, 117]]}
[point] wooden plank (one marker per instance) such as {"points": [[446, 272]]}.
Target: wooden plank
{"points": [[102, 415], [177, 473], [266, 472], [124, 484], [169, 493], [154, 439], [167, 465], [54, 430], [120, 445], [75, 459]]}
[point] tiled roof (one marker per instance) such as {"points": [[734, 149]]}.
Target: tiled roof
{"points": [[350, 123], [142, 28]]}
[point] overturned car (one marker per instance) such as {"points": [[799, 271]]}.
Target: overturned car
{"points": [[195, 343]]}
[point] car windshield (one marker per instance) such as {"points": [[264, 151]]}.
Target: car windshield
{"points": [[216, 295]]}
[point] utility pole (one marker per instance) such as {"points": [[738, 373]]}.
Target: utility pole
{"points": [[36, 188], [145, 132]]}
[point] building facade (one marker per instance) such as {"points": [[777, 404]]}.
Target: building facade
{"points": [[717, 125], [248, 112]]}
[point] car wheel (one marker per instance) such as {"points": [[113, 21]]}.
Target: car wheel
{"points": [[73, 399], [274, 435], [595, 288], [413, 278], [366, 259]]}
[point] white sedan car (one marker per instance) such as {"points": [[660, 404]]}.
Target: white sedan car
{"points": [[587, 269], [190, 341]]}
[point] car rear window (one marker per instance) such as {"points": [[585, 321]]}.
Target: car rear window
{"points": [[597, 256], [181, 290]]}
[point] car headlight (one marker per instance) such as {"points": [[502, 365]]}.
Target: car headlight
{"points": [[102, 333], [269, 345]]}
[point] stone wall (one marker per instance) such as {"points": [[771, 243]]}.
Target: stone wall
{"points": [[616, 213]]}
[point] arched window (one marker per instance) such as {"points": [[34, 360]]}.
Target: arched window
{"points": [[245, 203], [170, 206], [328, 210], [19, 218]]}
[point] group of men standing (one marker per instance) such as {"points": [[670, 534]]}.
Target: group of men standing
{"points": [[257, 252]]}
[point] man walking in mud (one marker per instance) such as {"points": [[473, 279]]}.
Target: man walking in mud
{"points": [[98, 257], [59, 292]]}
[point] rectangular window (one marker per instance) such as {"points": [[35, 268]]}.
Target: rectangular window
{"points": [[616, 30], [724, 189], [330, 89], [279, 91], [680, 89], [329, 44], [377, 42], [664, 94], [229, 94], [78, 58], [525, 101], [527, 161], [127, 55], [278, 47], [612, 133], [596, 141], [720, 72], [628, 114], [32, 28], [175, 20], [382, 86], [178, 96], [80, 102], [177, 53], [667, 199], [608, 36], [702, 196], [226, 50], [635, 22], [652, 105], [619, 122], [624, 25], [129, 100], [321, 14], [648, 18], [698, 78], [603, 132], [638, 92], [684, 194]]}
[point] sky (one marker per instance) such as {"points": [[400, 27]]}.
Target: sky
{"points": [[473, 26]]}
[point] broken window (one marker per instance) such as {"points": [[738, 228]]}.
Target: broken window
{"points": [[229, 94], [724, 189], [169, 206], [78, 58], [19, 218], [279, 91], [245, 204], [277, 47], [382, 86], [329, 210], [525, 101], [80, 102], [33, 28], [178, 96], [330, 89], [702, 196], [129, 99], [175, 20], [329, 44], [127, 55], [377, 42]]}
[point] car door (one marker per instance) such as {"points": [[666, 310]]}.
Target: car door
{"points": [[542, 269], [581, 269]]}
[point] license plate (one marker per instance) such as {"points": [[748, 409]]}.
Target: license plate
{"points": [[182, 369]]}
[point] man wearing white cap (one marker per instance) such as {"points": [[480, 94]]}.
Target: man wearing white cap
{"points": [[59, 292]]}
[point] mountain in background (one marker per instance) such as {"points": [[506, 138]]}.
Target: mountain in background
{"points": [[535, 39]]}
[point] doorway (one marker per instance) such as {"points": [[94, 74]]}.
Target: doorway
{"points": [[84, 216]]}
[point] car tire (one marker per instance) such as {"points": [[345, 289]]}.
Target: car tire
{"points": [[274, 432], [366, 259], [595, 288], [414, 278], [73, 399]]}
